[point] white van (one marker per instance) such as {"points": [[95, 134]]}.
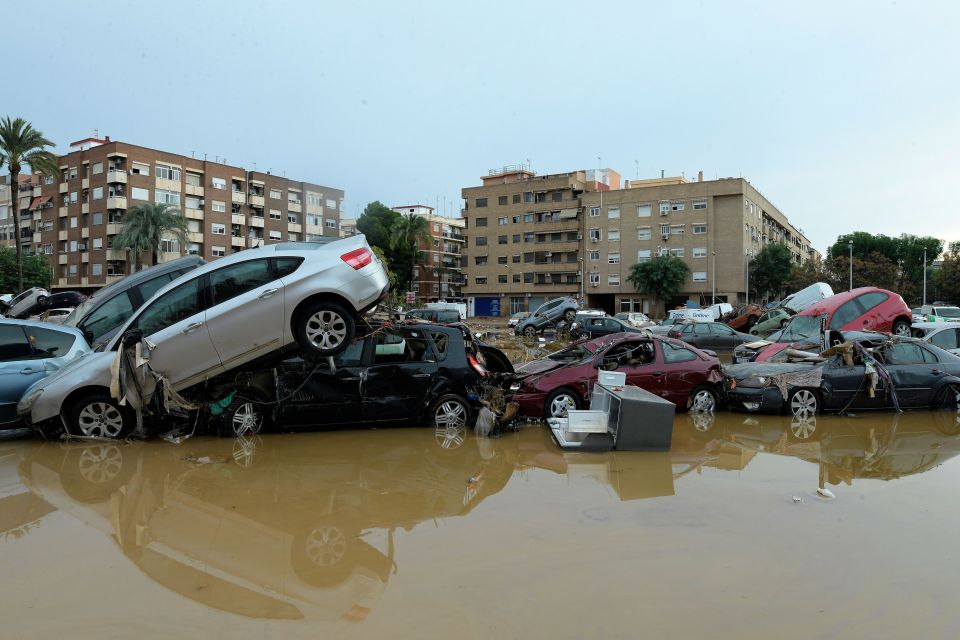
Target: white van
{"points": [[807, 297]]}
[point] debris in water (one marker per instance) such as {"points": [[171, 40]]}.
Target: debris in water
{"points": [[797, 499], [826, 494]]}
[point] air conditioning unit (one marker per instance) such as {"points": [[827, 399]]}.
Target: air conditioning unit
{"points": [[666, 236], [579, 236], [594, 284], [594, 239], [81, 246], [547, 254], [201, 202]]}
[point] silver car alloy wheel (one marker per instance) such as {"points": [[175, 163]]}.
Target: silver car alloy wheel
{"points": [[326, 329], [247, 420], [450, 437], [326, 546], [803, 404], [903, 329], [450, 414], [100, 463], [703, 400], [561, 405], [803, 428], [100, 419]]}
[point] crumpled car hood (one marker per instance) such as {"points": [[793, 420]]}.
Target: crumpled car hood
{"points": [[752, 369]]}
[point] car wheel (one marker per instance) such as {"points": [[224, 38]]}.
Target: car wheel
{"points": [[560, 402], [783, 323], [243, 417], [569, 315], [449, 417], [901, 328], [949, 398], [325, 329], [41, 300], [752, 320], [702, 400], [804, 403], [99, 416], [529, 331]]}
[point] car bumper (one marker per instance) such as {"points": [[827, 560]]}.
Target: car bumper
{"points": [[755, 400], [530, 404], [373, 289]]}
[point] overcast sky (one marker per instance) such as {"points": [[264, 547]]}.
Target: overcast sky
{"points": [[844, 114]]}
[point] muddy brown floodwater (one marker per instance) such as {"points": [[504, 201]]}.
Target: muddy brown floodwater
{"points": [[400, 533]]}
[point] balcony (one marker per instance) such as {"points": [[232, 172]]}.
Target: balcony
{"points": [[62, 234], [113, 228], [256, 221], [194, 190], [37, 237], [37, 192], [62, 212], [294, 206], [117, 176], [193, 214], [195, 236], [238, 219], [85, 232], [85, 183], [117, 202], [85, 256], [238, 242], [61, 282], [256, 201], [294, 227], [113, 277], [239, 197], [168, 185], [62, 258], [85, 208], [64, 187], [117, 255]]}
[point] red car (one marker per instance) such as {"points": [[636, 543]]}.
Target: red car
{"points": [[863, 309], [684, 375]]}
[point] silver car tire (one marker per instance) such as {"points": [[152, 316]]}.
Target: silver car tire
{"points": [[450, 417], [325, 329], [702, 400], [560, 402], [804, 403], [99, 416]]}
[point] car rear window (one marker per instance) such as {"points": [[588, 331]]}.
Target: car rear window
{"points": [[13, 343], [49, 343]]}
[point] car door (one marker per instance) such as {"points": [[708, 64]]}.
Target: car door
{"points": [[175, 324], [644, 366], [724, 337], [678, 379], [311, 394], [245, 316], [18, 369], [846, 388], [911, 373], [401, 374]]}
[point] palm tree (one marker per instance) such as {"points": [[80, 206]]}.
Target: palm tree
{"points": [[22, 145], [408, 232], [145, 225]]}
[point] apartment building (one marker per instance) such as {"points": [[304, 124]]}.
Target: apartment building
{"points": [[584, 247], [440, 275], [73, 218]]}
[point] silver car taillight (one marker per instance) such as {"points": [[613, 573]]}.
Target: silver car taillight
{"points": [[358, 258]]}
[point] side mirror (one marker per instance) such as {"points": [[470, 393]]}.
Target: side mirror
{"points": [[131, 338]]}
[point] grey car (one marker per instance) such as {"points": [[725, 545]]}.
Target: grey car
{"points": [[219, 317], [29, 352], [710, 335], [550, 312]]}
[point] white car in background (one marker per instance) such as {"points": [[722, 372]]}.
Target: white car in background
{"points": [[945, 335], [53, 316], [24, 302], [221, 316]]}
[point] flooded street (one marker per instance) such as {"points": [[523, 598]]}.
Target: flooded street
{"points": [[387, 533]]}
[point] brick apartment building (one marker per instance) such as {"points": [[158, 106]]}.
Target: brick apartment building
{"points": [[530, 238], [73, 218], [440, 276]]}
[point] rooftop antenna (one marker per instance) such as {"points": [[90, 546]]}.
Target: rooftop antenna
{"points": [[96, 132], [204, 156], [254, 165], [193, 154]]}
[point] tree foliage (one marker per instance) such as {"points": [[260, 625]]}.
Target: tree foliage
{"points": [[770, 269], [23, 146], [410, 233], [874, 255], [947, 280], [661, 277], [377, 223], [36, 272], [145, 225]]}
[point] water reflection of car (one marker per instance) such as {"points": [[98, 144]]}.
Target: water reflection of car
{"points": [[921, 375], [294, 528], [688, 377], [29, 352]]}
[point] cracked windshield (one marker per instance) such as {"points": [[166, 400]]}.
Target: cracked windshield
{"points": [[412, 320]]}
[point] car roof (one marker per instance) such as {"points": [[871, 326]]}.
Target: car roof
{"points": [[43, 325], [834, 301], [149, 273]]}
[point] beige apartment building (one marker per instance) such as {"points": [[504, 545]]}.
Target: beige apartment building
{"points": [[440, 274], [531, 238], [72, 218]]}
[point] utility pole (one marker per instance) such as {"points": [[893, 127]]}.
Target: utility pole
{"points": [[850, 244], [748, 277], [713, 286], [924, 275]]}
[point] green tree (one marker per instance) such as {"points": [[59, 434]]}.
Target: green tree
{"points": [[145, 225], [23, 146], [35, 271], [770, 269], [661, 277], [408, 234], [948, 276], [806, 274], [377, 223]]}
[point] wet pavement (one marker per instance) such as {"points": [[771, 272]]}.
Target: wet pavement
{"points": [[407, 533]]}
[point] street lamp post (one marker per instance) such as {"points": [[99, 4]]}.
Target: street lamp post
{"points": [[713, 285], [924, 275], [850, 244], [582, 295], [747, 258]]}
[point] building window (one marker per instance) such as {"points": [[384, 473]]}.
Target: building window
{"points": [[481, 241], [218, 229], [502, 220], [501, 239], [73, 197], [218, 252], [194, 179], [594, 212], [138, 193], [699, 252], [643, 255], [167, 197], [169, 246], [314, 199], [664, 208], [73, 222], [167, 172], [677, 205], [219, 207], [516, 198], [594, 256], [330, 223], [613, 212], [313, 220], [98, 218], [594, 278], [480, 222], [501, 259], [97, 168], [700, 228], [665, 230], [677, 229], [613, 235], [643, 233], [502, 279], [677, 252], [276, 235], [96, 269], [516, 238], [613, 257], [275, 194], [643, 210], [140, 169], [699, 276], [98, 193], [613, 279], [699, 204], [516, 219], [663, 251], [293, 196], [218, 183], [480, 261], [515, 259], [529, 237], [292, 218], [502, 200], [480, 280], [481, 202], [595, 235], [192, 202]]}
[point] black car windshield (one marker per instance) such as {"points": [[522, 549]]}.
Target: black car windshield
{"points": [[801, 328]]}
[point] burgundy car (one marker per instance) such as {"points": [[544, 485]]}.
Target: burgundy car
{"points": [[684, 375]]}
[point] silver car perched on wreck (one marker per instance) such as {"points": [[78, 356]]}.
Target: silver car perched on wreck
{"points": [[219, 317]]}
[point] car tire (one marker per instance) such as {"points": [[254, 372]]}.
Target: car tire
{"points": [[569, 315], [783, 323], [99, 415], [559, 402], [804, 403], [245, 416], [702, 400], [529, 331], [41, 301], [948, 398], [901, 328], [324, 329], [450, 413]]}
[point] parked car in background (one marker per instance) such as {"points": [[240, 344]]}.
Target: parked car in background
{"points": [[441, 316], [53, 316], [922, 375], [591, 326], [547, 314], [668, 324], [63, 300], [709, 335], [934, 313], [942, 334], [917, 315], [770, 321], [5, 302], [778, 314], [30, 351], [221, 316], [100, 316], [684, 375], [23, 304], [517, 317], [743, 318], [635, 319]]}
